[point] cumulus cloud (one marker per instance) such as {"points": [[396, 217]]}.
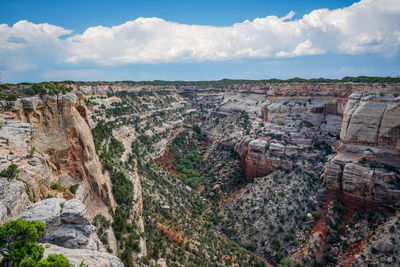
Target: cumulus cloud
{"points": [[28, 46], [369, 26]]}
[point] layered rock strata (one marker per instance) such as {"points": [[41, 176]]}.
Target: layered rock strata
{"points": [[367, 164], [289, 128], [69, 232]]}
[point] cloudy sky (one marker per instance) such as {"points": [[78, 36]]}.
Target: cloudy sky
{"points": [[180, 40]]}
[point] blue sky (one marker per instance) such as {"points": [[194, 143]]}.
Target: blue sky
{"points": [[197, 40]]}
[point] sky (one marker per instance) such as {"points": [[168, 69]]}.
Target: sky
{"points": [[45, 40]]}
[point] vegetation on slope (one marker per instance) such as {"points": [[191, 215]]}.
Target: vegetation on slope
{"points": [[10, 92]]}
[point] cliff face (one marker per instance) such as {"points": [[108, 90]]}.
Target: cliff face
{"points": [[57, 128], [296, 116], [361, 121], [368, 161], [339, 90], [62, 135], [288, 128], [98, 88]]}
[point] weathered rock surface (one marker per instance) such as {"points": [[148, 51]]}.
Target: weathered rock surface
{"points": [[13, 199], [67, 223], [259, 157], [288, 129], [90, 257], [14, 145], [14, 138], [369, 153], [74, 211], [372, 120], [64, 137]]}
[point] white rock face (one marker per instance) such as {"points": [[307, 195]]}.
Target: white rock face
{"points": [[74, 212], [67, 223], [13, 199], [369, 133], [15, 134], [89, 257], [47, 211]]}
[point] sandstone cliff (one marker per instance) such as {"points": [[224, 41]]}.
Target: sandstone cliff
{"points": [[289, 128], [368, 161], [56, 129]]}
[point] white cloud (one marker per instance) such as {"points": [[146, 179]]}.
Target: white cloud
{"points": [[369, 26], [27, 46]]}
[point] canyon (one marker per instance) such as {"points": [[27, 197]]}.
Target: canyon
{"points": [[188, 175]]}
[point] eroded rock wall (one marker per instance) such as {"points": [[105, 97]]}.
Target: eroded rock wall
{"points": [[367, 164], [57, 128], [63, 136], [288, 128]]}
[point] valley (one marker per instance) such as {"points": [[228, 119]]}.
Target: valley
{"points": [[224, 173]]}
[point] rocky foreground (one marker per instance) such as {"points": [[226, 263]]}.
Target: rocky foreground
{"points": [[305, 171]]}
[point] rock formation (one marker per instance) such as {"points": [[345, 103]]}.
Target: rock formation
{"points": [[56, 129], [78, 256], [288, 129], [13, 199], [69, 232], [62, 134], [368, 161]]}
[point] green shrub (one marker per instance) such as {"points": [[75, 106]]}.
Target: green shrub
{"points": [[373, 164], [122, 189], [57, 186], [362, 161], [19, 239], [11, 172], [53, 260], [285, 262], [73, 188], [31, 152]]}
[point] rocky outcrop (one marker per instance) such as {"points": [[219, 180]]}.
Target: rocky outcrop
{"points": [[368, 162], [260, 157], [34, 170], [67, 223], [287, 131], [57, 127], [69, 232], [14, 138], [104, 88], [372, 120], [341, 90], [13, 199], [63, 136]]}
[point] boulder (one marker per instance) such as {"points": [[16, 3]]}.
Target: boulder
{"points": [[67, 223], [258, 146]]}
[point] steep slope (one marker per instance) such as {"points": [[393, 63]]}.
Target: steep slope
{"points": [[52, 146]]}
